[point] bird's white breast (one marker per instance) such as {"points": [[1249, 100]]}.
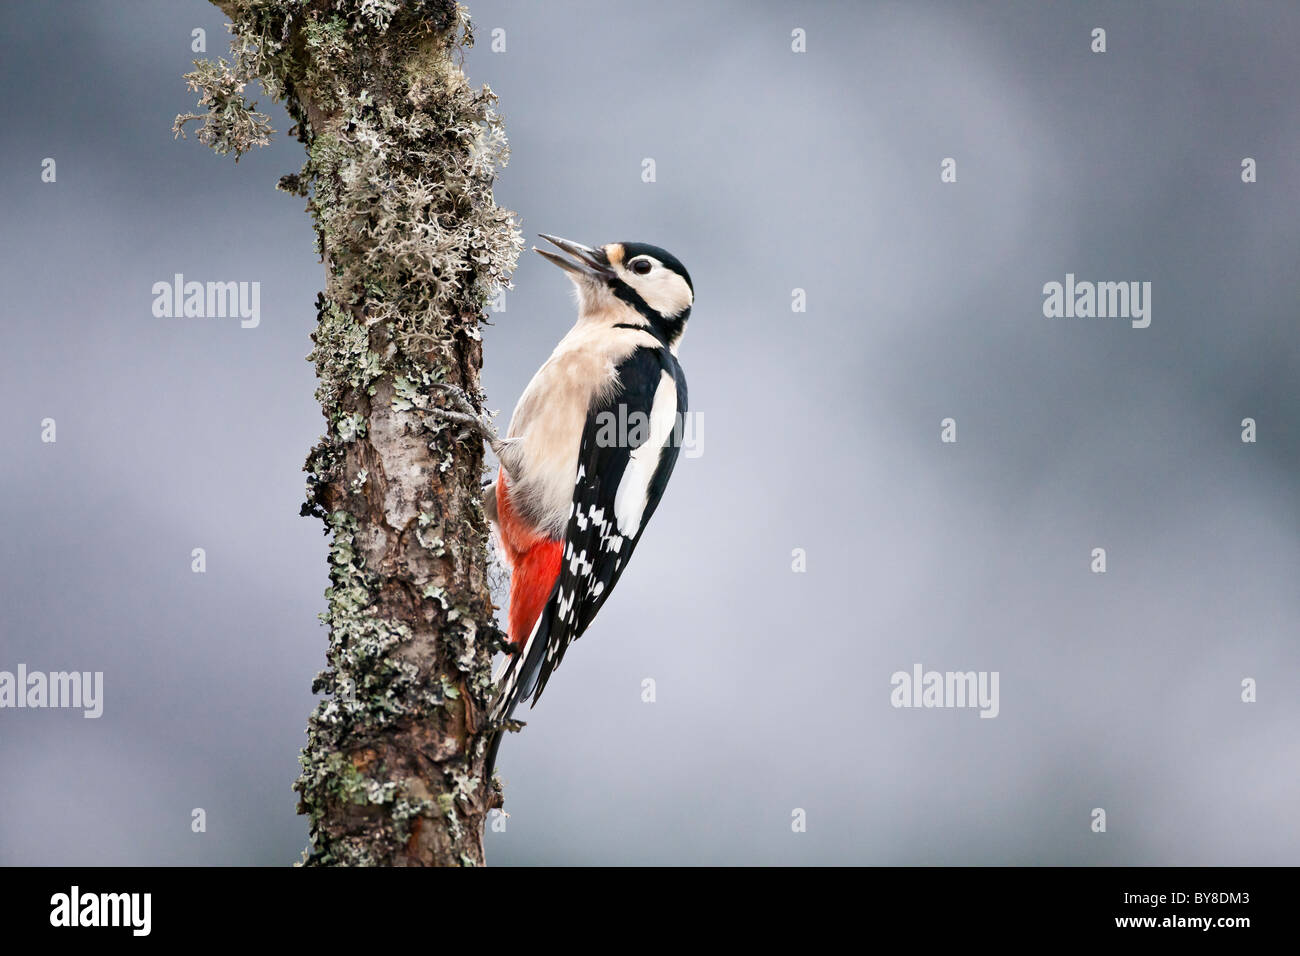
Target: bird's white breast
{"points": [[549, 419]]}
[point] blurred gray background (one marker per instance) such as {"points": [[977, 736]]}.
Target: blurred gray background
{"points": [[821, 431]]}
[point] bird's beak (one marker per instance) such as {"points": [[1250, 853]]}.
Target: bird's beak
{"points": [[586, 263]]}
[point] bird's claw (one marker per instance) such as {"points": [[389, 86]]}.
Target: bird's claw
{"points": [[508, 723], [462, 412]]}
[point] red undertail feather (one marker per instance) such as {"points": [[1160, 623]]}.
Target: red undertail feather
{"points": [[534, 561]]}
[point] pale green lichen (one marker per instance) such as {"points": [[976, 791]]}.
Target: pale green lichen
{"points": [[406, 396], [350, 427], [342, 349], [447, 804], [364, 680], [428, 526], [407, 809], [230, 124]]}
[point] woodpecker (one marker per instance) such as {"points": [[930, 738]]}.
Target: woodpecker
{"points": [[590, 447]]}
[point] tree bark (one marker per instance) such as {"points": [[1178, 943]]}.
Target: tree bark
{"points": [[401, 157]]}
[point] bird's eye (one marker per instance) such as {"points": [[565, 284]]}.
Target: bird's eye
{"points": [[641, 266]]}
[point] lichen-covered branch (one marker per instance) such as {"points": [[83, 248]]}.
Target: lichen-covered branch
{"points": [[401, 157], [231, 124]]}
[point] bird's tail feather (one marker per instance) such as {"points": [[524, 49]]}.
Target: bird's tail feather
{"points": [[517, 679]]}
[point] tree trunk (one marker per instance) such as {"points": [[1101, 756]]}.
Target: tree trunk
{"points": [[401, 156]]}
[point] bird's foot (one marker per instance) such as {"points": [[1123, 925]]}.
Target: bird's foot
{"points": [[508, 724], [460, 410]]}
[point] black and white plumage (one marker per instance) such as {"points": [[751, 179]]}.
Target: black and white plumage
{"points": [[592, 443], [616, 491]]}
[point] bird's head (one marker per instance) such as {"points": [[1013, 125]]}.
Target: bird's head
{"points": [[632, 275]]}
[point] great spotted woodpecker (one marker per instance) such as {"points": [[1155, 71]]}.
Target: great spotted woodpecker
{"points": [[588, 454]]}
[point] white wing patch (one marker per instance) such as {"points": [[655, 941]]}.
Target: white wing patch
{"points": [[630, 500]]}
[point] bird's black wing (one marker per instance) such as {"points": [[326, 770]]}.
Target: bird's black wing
{"points": [[596, 546]]}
